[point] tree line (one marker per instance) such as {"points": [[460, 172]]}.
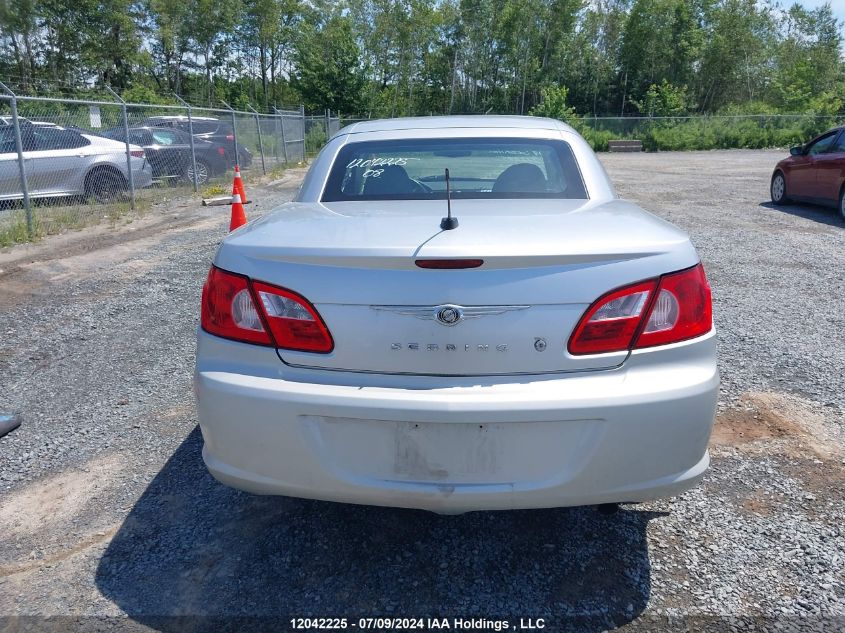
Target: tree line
{"points": [[417, 57]]}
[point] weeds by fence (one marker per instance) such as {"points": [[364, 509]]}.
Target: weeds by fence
{"points": [[705, 132]]}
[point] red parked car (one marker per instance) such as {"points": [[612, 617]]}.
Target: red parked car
{"points": [[814, 173]]}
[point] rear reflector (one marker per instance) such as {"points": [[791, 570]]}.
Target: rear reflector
{"points": [[611, 322], [682, 310], [449, 264], [674, 308], [254, 312], [294, 323], [221, 151]]}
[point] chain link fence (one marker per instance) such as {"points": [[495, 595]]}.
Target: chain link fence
{"points": [[67, 163], [319, 129]]}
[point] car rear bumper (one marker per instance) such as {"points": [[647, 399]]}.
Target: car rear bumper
{"points": [[635, 433], [143, 177]]}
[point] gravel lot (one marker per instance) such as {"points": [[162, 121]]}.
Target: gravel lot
{"points": [[108, 515]]}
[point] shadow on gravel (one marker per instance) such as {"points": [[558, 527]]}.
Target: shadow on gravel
{"points": [[817, 213], [192, 547]]}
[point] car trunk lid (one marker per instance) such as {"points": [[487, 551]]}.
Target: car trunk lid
{"points": [[357, 263]]}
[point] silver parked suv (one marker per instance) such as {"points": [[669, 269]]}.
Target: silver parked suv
{"points": [[62, 162]]}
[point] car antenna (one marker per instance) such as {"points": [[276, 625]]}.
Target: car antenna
{"points": [[448, 223]]}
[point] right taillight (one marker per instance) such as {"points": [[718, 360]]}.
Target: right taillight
{"points": [[236, 308], [674, 308], [682, 309]]}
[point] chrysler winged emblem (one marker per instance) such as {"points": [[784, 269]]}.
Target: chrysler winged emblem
{"points": [[448, 314]]}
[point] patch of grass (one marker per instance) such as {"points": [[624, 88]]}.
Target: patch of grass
{"points": [[55, 216], [61, 219], [276, 172], [215, 189], [13, 229]]}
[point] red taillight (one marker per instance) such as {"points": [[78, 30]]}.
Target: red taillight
{"points": [[682, 309], [228, 309], [645, 314], [611, 322], [294, 323], [254, 312], [137, 153], [230, 137], [449, 264], [221, 151]]}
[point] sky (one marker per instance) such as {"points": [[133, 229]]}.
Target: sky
{"points": [[837, 5]]}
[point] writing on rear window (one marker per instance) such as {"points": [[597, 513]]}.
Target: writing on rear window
{"points": [[379, 162]]}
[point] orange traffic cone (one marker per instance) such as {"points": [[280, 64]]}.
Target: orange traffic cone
{"points": [[238, 185], [238, 215]]}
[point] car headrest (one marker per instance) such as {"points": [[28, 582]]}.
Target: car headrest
{"points": [[522, 177], [393, 180]]}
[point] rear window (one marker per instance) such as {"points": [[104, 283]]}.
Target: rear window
{"points": [[414, 169], [7, 140], [165, 137], [57, 138], [203, 127]]}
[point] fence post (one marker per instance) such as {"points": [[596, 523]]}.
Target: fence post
{"points": [[13, 105], [191, 132], [128, 153], [234, 134], [302, 114], [260, 141], [328, 120], [280, 119]]}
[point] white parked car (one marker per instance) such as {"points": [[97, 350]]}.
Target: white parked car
{"points": [[555, 348], [62, 162]]}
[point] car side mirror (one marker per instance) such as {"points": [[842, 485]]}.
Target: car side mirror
{"points": [[798, 150]]}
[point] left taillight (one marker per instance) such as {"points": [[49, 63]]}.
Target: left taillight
{"points": [[137, 153], [228, 309], [237, 308], [674, 308]]}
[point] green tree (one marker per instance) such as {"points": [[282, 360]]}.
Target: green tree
{"points": [[553, 105], [735, 63], [808, 75], [664, 99], [328, 72], [660, 42]]}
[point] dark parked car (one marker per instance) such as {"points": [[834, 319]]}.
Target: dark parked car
{"points": [[814, 173], [169, 152], [209, 129]]}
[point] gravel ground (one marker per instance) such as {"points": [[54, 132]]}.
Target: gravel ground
{"points": [[109, 520]]}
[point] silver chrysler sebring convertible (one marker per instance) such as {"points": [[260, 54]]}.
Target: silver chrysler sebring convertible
{"points": [[455, 314]]}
